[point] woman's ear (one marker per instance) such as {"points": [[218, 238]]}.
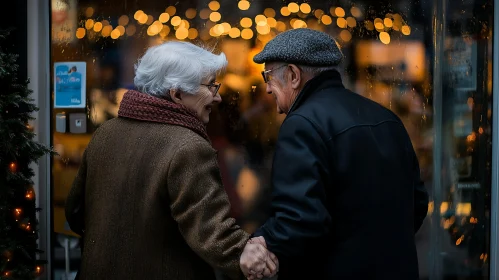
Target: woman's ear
{"points": [[175, 96]]}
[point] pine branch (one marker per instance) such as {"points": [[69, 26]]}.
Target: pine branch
{"points": [[18, 223]]}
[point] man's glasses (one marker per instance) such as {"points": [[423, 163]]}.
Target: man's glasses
{"points": [[213, 87], [266, 76]]}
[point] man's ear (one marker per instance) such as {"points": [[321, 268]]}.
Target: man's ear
{"points": [[296, 76], [175, 95]]}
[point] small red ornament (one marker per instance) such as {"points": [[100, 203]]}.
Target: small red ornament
{"points": [[30, 194], [13, 167]]}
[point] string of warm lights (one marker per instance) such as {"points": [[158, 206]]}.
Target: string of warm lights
{"points": [[291, 16], [30, 195], [23, 223]]}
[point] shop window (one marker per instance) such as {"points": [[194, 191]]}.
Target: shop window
{"points": [[390, 57]]}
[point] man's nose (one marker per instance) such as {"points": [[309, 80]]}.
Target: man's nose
{"points": [[268, 89]]}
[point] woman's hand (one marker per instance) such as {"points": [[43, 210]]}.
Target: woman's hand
{"points": [[256, 261]]}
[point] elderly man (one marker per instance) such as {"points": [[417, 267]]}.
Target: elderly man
{"points": [[347, 198]]}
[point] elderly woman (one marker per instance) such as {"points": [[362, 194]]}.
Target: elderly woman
{"points": [[148, 198]]}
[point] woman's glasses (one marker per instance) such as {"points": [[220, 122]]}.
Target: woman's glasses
{"points": [[213, 87]]}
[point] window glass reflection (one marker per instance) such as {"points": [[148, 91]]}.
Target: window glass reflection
{"points": [[389, 58]]}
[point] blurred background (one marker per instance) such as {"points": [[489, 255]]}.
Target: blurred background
{"points": [[430, 62]]}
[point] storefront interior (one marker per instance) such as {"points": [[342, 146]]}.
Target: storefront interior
{"points": [[437, 78]]}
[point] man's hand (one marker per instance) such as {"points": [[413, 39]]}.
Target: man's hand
{"points": [[256, 261]]}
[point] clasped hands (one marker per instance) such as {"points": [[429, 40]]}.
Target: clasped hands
{"points": [[256, 261]]}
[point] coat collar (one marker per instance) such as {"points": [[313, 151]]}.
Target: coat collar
{"points": [[326, 79]]}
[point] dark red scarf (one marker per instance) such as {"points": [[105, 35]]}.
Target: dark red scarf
{"points": [[144, 107]]}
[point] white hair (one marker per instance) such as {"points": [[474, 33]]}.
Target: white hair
{"points": [[310, 70], [316, 70], [176, 65]]}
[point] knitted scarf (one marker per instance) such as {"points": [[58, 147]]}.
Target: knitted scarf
{"points": [[144, 107]]}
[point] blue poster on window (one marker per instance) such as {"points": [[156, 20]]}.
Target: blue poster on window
{"points": [[70, 84]]}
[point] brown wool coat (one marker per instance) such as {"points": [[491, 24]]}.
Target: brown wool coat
{"points": [[155, 207]]}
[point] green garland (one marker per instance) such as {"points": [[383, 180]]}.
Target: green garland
{"points": [[18, 223]]}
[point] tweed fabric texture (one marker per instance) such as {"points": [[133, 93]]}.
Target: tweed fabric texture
{"points": [[144, 107], [301, 46], [155, 206]]}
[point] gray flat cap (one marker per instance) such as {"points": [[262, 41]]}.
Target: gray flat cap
{"points": [[301, 46]]}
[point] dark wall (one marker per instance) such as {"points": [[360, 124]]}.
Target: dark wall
{"points": [[17, 42]]}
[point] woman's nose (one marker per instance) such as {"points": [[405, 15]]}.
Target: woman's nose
{"points": [[217, 98]]}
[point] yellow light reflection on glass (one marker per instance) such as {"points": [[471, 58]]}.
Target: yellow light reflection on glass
{"points": [[280, 26], [261, 20], [142, 18], [123, 20], [165, 31], [243, 5], [171, 10], [150, 19], [121, 29], [226, 27], [351, 22], [271, 22], [190, 13], [182, 33], [293, 7], [388, 22], [214, 5], [115, 34], [305, 8], [444, 206], [130, 30], [339, 12], [137, 14], [263, 29], [152, 30], [204, 13], [213, 33], [89, 23], [341, 22], [247, 34], [318, 13], [218, 29], [463, 209], [164, 17], [97, 26], [356, 12], [89, 12], [345, 35], [176, 20], [80, 32], [106, 30], [431, 206], [246, 22], [299, 24], [215, 16], [384, 37], [192, 34], [234, 32], [285, 11], [185, 24], [369, 25], [269, 12], [406, 30], [326, 19]]}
